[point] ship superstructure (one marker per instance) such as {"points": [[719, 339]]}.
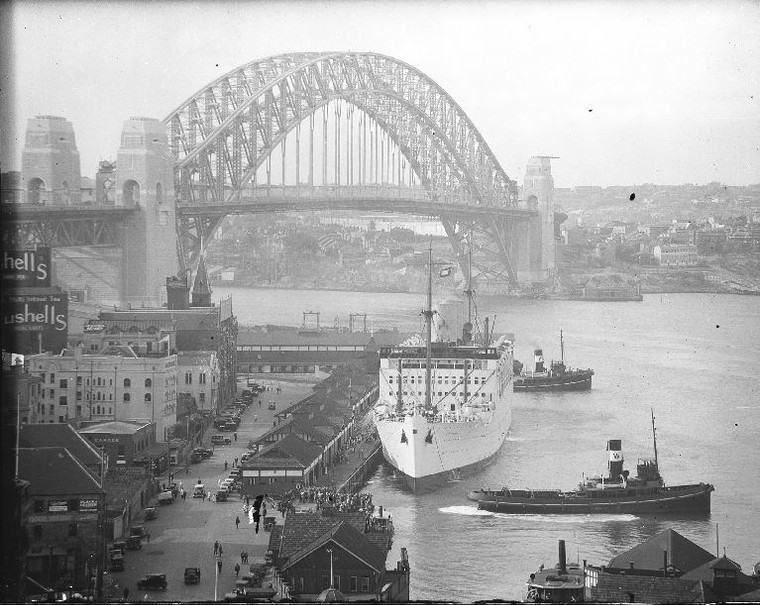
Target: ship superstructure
{"points": [[443, 407]]}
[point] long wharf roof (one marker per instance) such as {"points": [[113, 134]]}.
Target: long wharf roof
{"points": [[683, 554]]}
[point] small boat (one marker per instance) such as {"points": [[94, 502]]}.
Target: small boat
{"points": [[561, 584], [618, 493], [557, 378]]}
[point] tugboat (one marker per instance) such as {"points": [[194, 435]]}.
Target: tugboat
{"points": [[561, 584], [618, 493], [557, 378]]}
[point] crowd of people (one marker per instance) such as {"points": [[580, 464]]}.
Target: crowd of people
{"points": [[324, 497]]}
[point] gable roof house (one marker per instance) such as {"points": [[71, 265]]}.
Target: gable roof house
{"points": [[318, 551]]}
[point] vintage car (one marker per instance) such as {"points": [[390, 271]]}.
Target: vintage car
{"points": [[272, 405], [120, 545], [192, 575], [199, 490], [203, 452], [134, 543], [220, 440], [151, 513], [116, 560], [137, 530], [222, 495], [153, 581], [165, 498]]}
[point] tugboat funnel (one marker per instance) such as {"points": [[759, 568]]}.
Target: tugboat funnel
{"points": [[562, 559], [538, 357], [615, 459]]}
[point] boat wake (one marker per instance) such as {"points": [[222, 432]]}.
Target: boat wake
{"points": [[580, 519], [469, 511]]}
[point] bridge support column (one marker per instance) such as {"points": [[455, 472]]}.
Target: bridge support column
{"points": [[145, 181], [538, 193]]}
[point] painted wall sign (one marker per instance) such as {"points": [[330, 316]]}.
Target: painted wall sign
{"points": [[27, 267], [35, 321]]}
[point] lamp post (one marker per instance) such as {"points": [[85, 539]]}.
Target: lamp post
{"points": [[329, 550]]}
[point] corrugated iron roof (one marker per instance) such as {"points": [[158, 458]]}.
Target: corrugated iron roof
{"points": [[55, 471]]}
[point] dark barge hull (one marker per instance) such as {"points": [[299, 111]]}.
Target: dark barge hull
{"points": [[580, 381], [681, 499]]}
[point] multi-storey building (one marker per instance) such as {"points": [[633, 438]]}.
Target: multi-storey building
{"points": [[198, 378], [675, 255], [114, 384], [65, 538], [22, 389]]}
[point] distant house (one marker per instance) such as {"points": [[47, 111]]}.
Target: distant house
{"points": [[675, 255]]}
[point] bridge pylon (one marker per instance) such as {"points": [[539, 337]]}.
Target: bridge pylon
{"points": [[145, 183]]}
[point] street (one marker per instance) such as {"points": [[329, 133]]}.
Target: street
{"points": [[184, 533]]}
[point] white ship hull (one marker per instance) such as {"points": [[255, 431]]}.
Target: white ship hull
{"points": [[455, 446]]}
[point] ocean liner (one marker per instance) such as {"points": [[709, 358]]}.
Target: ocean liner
{"points": [[444, 407]]}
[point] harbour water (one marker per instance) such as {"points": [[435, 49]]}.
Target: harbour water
{"points": [[693, 358]]}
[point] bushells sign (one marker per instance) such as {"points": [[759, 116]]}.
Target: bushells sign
{"points": [[27, 268], [34, 322]]}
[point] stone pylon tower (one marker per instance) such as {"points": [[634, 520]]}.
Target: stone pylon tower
{"points": [[50, 162], [538, 193], [145, 182]]}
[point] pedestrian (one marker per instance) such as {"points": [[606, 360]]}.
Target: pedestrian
{"points": [[147, 535], [220, 550], [237, 522], [126, 594], [216, 547], [255, 418], [219, 566], [246, 556], [187, 470], [225, 465], [235, 434], [259, 402], [237, 569], [247, 500], [242, 556]]}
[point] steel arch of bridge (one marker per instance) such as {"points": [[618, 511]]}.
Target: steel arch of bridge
{"points": [[225, 132]]}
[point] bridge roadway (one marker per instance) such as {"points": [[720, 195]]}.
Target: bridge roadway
{"points": [[366, 198], [184, 533]]}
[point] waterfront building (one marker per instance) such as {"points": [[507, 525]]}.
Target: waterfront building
{"points": [[675, 255], [198, 378], [669, 568], [345, 552], [280, 466], [115, 384], [310, 348], [64, 528]]}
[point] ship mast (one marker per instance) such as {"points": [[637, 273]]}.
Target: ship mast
{"points": [[654, 437], [428, 313], [561, 347], [467, 336]]}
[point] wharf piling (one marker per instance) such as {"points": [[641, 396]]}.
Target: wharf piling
{"points": [[359, 471]]}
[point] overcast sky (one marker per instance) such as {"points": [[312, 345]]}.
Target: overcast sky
{"points": [[624, 93]]}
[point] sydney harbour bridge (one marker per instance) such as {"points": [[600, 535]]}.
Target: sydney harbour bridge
{"points": [[294, 132]]}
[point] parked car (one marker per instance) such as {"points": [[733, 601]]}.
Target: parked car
{"points": [[134, 543], [153, 581], [151, 513], [199, 490], [221, 440], [192, 575], [165, 498], [116, 560], [204, 452], [222, 495], [120, 545]]}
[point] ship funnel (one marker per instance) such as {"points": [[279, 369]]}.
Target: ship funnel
{"points": [[562, 558], [538, 357], [615, 459]]}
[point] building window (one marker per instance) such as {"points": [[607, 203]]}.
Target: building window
{"points": [[37, 531], [60, 419], [147, 397], [63, 383], [97, 410], [202, 378], [365, 583], [99, 381], [202, 398], [79, 380], [72, 529], [121, 450], [188, 378], [52, 377], [79, 410], [126, 397], [336, 582], [63, 400], [148, 382], [79, 395], [52, 393], [52, 410], [127, 382], [354, 584]]}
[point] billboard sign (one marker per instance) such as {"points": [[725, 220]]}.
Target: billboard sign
{"points": [[35, 321], [27, 268]]}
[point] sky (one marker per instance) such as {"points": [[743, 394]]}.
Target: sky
{"points": [[624, 93]]}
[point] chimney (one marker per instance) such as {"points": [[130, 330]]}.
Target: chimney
{"points": [[562, 559]]}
